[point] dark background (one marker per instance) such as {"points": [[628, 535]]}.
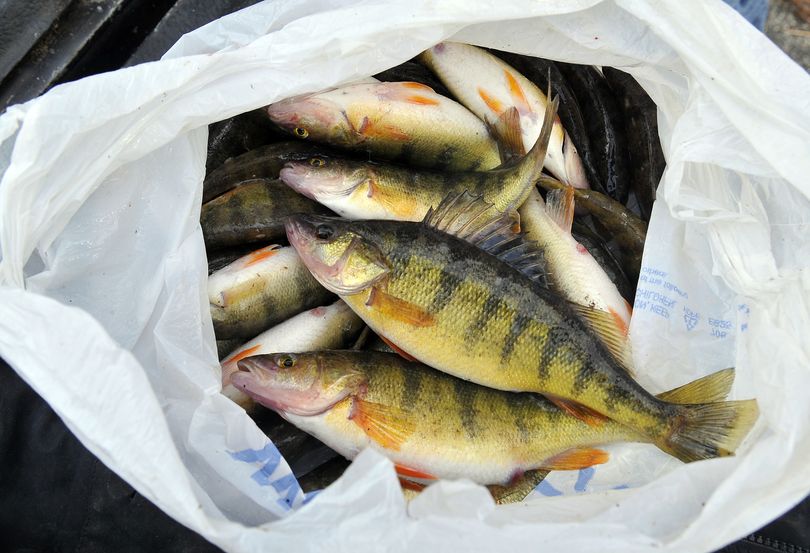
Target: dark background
{"points": [[54, 495]]}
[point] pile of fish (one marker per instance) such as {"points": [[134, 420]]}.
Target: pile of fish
{"points": [[386, 273]]}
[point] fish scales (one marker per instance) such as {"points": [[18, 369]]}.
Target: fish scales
{"points": [[550, 337], [456, 428]]}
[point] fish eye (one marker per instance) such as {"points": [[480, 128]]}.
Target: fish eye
{"points": [[317, 162], [324, 232], [287, 361], [301, 132]]}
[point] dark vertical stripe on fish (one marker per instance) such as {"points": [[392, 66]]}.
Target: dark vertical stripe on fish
{"points": [[465, 402], [448, 284], [488, 310], [519, 324], [520, 424], [412, 389]]}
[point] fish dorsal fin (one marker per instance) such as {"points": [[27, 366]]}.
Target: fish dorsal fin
{"points": [[475, 220], [560, 207], [611, 330], [508, 134]]}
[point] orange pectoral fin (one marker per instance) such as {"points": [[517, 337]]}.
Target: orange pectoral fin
{"points": [[404, 207], [575, 459], [407, 472], [396, 349], [583, 413], [371, 129], [399, 309], [385, 424]]}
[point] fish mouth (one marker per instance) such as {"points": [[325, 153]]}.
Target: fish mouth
{"points": [[301, 235], [317, 185], [293, 176], [255, 378]]}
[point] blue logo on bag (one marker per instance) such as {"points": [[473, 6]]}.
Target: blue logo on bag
{"points": [[690, 318], [270, 457]]}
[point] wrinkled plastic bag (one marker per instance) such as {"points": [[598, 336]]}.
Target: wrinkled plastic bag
{"points": [[103, 270]]}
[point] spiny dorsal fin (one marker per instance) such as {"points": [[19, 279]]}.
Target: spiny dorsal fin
{"points": [[612, 334], [473, 219], [560, 207]]}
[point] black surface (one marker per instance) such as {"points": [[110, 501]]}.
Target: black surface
{"points": [[56, 496]]}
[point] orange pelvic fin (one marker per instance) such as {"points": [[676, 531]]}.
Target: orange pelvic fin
{"points": [[422, 100], [518, 96], [492, 103], [397, 350], [416, 86]]}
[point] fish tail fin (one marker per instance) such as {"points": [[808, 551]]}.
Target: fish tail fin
{"points": [[526, 172], [709, 430]]}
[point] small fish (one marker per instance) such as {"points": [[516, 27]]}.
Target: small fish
{"points": [[365, 190], [264, 162], [326, 327], [431, 425], [252, 212], [466, 295], [489, 88], [573, 271], [646, 157], [603, 121], [260, 290], [545, 73], [405, 122], [237, 135], [619, 223]]}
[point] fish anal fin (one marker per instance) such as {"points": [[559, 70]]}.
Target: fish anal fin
{"points": [[384, 424], [560, 207], [612, 331], [521, 485], [575, 459], [408, 472], [405, 355], [579, 411], [399, 309]]}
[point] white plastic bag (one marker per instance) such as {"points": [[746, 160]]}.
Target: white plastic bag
{"points": [[103, 270]]}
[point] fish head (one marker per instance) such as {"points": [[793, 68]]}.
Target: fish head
{"points": [[336, 252], [309, 117], [297, 383], [323, 178]]}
